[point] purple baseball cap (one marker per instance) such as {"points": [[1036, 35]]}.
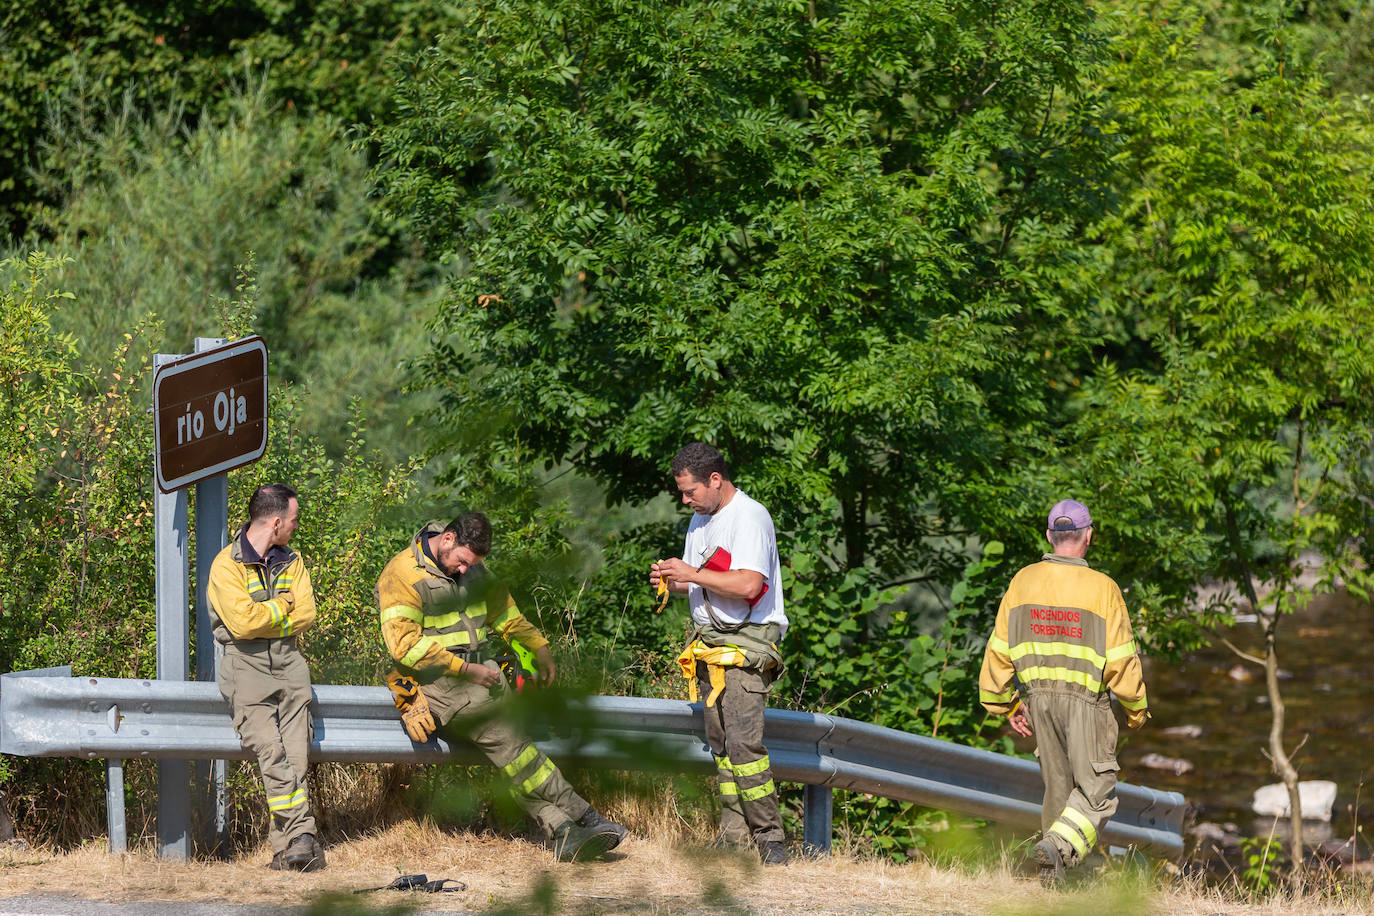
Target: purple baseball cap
{"points": [[1069, 515]]}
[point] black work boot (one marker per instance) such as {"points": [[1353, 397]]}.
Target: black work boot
{"points": [[1051, 863], [304, 854], [278, 862], [574, 843], [772, 852], [594, 818]]}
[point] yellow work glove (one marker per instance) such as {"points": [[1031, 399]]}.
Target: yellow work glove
{"points": [[415, 715], [287, 601], [1136, 718], [662, 590]]}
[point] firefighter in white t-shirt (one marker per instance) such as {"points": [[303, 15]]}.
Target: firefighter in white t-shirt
{"points": [[731, 576]]}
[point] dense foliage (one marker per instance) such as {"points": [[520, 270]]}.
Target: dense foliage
{"points": [[919, 268], [327, 57]]}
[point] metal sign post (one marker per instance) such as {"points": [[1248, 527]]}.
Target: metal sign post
{"points": [[212, 527], [170, 541], [209, 416]]}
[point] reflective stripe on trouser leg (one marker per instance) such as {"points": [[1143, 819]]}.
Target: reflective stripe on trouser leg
{"points": [[734, 729], [733, 826], [269, 694], [1076, 744], [540, 788]]}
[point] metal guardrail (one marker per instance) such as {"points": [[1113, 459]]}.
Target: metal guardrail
{"points": [[58, 716]]}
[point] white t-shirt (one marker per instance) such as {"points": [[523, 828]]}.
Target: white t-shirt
{"points": [[744, 529]]}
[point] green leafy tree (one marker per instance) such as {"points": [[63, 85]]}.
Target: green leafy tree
{"points": [[328, 57], [157, 217], [1233, 445], [834, 239]]}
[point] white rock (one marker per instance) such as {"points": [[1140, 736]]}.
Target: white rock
{"points": [[1182, 731], [1177, 765], [1316, 796]]}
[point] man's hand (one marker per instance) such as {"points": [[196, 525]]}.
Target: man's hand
{"points": [[675, 572], [543, 659], [1019, 719], [480, 674], [287, 600]]}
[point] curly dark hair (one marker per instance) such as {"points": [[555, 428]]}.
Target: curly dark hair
{"points": [[473, 531], [701, 461]]}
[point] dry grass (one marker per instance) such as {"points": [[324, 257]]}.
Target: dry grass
{"points": [[663, 868], [652, 874]]}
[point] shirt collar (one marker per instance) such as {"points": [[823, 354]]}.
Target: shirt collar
{"points": [[275, 554], [1068, 561]]}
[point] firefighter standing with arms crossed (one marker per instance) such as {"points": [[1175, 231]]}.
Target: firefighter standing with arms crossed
{"points": [[439, 605], [1062, 631], [260, 600], [731, 576]]}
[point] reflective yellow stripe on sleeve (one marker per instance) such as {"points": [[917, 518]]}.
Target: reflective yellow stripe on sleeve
{"points": [[505, 617], [998, 644], [401, 610], [987, 696], [1134, 705], [1125, 650], [417, 651]]}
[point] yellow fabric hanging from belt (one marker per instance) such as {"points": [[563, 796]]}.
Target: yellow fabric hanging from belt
{"points": [[717, 659]]}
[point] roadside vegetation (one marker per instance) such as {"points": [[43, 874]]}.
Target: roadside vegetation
{"points": [[919, 269]]}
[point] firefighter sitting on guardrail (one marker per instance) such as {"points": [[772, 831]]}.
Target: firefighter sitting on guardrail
{"points": [[438, 605], [260, 599]]}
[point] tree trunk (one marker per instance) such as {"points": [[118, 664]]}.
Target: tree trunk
{"points": [[1283, 765]]}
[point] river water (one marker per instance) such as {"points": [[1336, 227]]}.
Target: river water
{"points": [[1326, 654]]}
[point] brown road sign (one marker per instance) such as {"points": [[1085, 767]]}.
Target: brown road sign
{"points": [[210, 412]]}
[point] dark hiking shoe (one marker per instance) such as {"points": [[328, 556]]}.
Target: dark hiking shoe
{"points": [[1051, 863], [304, 854], [772, 852], [278, 862], [575, 843], [595, 819]]}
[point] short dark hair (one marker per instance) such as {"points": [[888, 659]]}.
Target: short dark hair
{"points": [[270, 500], [473, 531], [701, 461], [1060, 536]]}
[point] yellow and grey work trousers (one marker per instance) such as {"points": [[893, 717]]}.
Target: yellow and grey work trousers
{"points": [[1075, 739], [468, 710], [267, 684], [734, 730]]}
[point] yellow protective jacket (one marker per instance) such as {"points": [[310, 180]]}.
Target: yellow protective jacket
{"points": [[243, 590], [1062, 627], [427, 617]]}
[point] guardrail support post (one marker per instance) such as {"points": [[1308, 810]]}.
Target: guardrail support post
{"points": [[114, 805], [817, 816]]}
